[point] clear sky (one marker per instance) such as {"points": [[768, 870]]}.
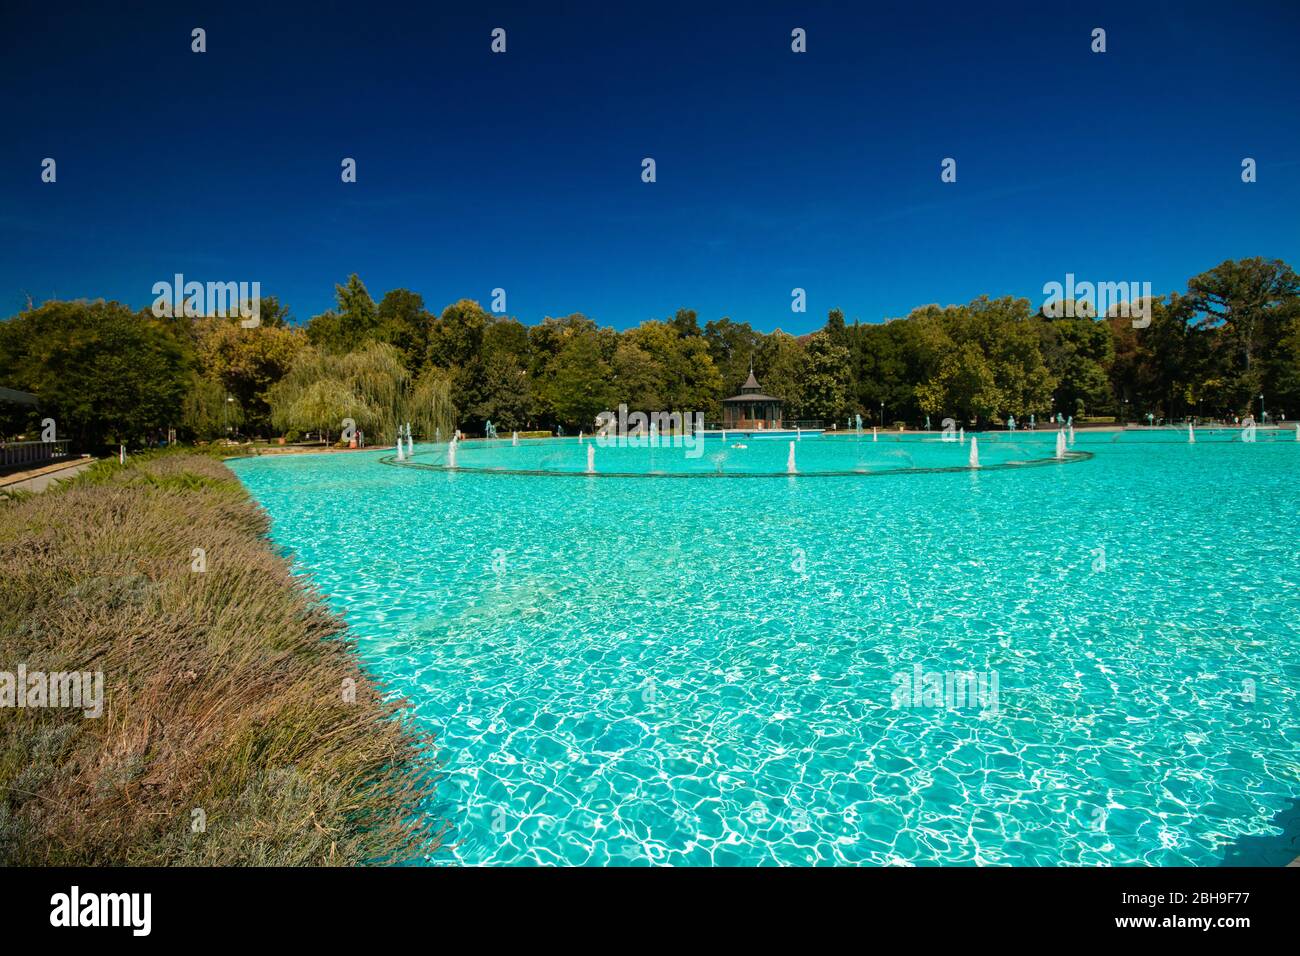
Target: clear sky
{"points": [[523, 171]]}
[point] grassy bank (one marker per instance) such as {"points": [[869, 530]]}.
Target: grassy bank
{"points": [[227, 734]]}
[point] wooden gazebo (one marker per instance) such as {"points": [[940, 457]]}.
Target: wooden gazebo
{"points": [[751, 408]]}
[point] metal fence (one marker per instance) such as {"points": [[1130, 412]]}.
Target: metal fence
{"points": [[31, 454]]}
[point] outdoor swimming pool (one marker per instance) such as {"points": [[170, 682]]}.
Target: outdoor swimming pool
{"points": [[642, 670]]}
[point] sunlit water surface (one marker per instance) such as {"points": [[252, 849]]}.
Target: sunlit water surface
{"points": [[704, 671]]}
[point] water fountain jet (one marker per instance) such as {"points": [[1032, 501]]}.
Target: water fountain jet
{"points": [[591, 459], [789, 462], [1060, 445], [974, 452]]}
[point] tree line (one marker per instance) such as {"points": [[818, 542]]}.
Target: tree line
{"points": [[107, 373]]}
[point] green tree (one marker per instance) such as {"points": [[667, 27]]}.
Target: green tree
{"points": [[779, 364], [247, 362], [731, 346], [637, 377], [104, 373], [208, 411], [826, 379], [1248, 303], [456, 346], [579, 384], [349, 326], [370, 386], [1077, 352], [688, 381], [403, 322]]}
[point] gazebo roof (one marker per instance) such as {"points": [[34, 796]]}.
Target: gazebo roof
{"points": [[16, 397], [749, 392], [752, 397]]}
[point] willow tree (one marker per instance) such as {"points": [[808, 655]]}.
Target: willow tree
{"points": [[372, 387], [208, 411], [427, 405]]}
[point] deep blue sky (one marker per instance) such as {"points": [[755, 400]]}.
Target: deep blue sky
{"points": [[775, 170]]}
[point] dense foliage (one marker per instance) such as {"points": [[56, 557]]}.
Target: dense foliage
{"points": [[107, 373]]}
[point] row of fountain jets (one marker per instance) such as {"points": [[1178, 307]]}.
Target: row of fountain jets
{"points": [[1064, 438], [404, 432]]}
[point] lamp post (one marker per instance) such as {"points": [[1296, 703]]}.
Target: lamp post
{"points": [[882, 414], [1263, 419]]}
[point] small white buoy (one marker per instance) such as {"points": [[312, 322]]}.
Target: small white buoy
{"points": [[974, 452], [789, 462]]}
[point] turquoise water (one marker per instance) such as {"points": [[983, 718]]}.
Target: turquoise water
{"points": [[705, 671]]}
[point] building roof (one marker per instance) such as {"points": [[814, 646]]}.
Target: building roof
{"points": [[16, 397], [749, 392], [752, 397]]}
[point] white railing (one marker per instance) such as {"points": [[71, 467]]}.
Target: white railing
{"points": [[31, 454]]}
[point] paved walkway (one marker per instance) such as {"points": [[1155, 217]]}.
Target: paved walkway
{"points": [[40, 479]]}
